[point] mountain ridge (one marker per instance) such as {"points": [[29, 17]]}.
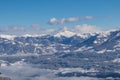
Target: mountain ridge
{"points": [[61, 41]]}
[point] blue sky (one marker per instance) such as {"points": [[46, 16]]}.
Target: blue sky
{"points": [[104, 13]]}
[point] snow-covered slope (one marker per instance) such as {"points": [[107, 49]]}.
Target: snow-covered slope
{"points": [[70, 33], [9, 37], [65, 33]]}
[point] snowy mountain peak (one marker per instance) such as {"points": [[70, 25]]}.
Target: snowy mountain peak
{"points": [[33, 35], [9, 37], [65, 33]]}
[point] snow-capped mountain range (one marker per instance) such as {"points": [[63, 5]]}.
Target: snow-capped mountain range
{"points": [[66, 53], [62, 41]]}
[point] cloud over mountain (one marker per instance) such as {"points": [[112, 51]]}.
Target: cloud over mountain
{"points": [[22, 30], [86, 28]]}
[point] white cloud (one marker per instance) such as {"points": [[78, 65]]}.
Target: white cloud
{"points": [[23, 71], [68, 20], [53, 21], [85, 28], [88, 17]]}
